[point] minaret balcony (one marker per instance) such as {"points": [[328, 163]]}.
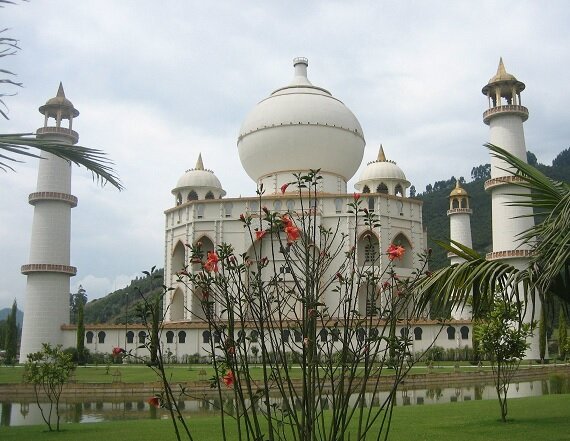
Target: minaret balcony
{"points": [[48, 268], [71, 134], [522, 111], [459, 210], [509, 254], [503, 180], [52, 196]]}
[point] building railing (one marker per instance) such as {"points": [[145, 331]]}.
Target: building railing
{"points": [[459, 210], [508, 254], [503, 180], [509, 108], [52, 196], [48, 268], [60, 131]]}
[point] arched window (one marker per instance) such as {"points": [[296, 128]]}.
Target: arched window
{"points": [[217, 337], [206, 336], [254, 335], [454, 203], [450, 333], [192, 196], [182, 337], [178, 258], [464, 330], [335, 333], [382, 188], [169, 337], [130, 337], [404, 332], [298, 336], [241, 336], [101, 337], [407, 260], [366, 189], [89, 337], [285, 334], [338, 205], [210, 195], [360, 334], [373, 333], [368, 250], [399, 191], [323, 334], [464, 203], [290, 205], [418, 333], [178, 199], [277, 205], [142, 337]]}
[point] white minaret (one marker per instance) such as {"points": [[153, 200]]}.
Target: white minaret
{"points": [[505, 118], [459, 231], [48, 270]]}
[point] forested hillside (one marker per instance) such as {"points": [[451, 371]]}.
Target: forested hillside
{"points": [[436, 204], [121, 305]]}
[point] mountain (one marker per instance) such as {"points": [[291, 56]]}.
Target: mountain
{"points": [[6, 311], [436, 204]]}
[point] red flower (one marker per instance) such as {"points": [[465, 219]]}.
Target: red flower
{"points": [[260, 233], [395, 252], [154, 401], [339, 277], [212, 262], [286, 220], [356, 196], [284, 188], [118, 351], [386, 285], [231, 350], [312, 313], [293, 233], [229, 379]]}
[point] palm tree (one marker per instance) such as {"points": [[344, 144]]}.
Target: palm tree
{"points": [[20, 144], [548, 270]]}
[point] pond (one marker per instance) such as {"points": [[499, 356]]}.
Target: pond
{"points": [[86, 410]]}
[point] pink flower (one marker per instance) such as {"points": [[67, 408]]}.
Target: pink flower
{"points": [[118, 351], [286, 220], [154, 401], [259, 234], [386, 285], [293, 233], [229, 379], [284, 188], [395, 252], [212, 262], [356, 196]]}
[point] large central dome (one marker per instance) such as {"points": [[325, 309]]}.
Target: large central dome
{"points": [[300, 127]]}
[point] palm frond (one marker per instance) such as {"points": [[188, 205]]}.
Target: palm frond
{"points": [[94, 160]]}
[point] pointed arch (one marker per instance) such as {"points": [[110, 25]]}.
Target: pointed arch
{"points": [[407, 260], [366, 189], [177, 305], [192, 196], [178, 259], [454, 203], [209, 195], [399, 190], [382, 188], [178, 199], [368, 247]]}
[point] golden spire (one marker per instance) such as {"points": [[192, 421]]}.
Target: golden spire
{"points": [[199, 163], [381, 155]]}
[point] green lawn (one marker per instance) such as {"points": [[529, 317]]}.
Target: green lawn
{"points": [[536, 418], [178, 373]]}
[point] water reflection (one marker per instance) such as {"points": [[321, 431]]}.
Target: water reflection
{"points": [[81, 410]]}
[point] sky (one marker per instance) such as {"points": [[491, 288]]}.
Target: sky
{"points": [[159, 82]]}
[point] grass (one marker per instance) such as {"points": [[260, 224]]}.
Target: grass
{"points": [[179, 373], [534, 418]]}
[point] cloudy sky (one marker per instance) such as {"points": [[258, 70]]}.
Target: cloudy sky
{"points": [[158, 82]]}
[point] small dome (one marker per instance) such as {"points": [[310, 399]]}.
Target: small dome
{"points": [[300, 127], [57, 103], [504, 80], [381, 171], [458, 191], [199, 178]]}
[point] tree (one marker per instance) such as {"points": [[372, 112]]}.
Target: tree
{"points": [[562, 334], [80, 336], [502, 337], [48, 370], [548, 270], [481, 172], [413, 191], [11, 339], [77, 300]]}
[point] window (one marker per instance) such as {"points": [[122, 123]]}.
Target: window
{"points": [[206, 336], [241, 336], [178, 199], [182, 337], [217, 337], [464, 330], [142, 337], [192, 196], [210, 195], [338, 205], [382, 188], [277, 205], [399, 190], [366, 189], [130, 337], [323, 334], [101, 337], [170, 337], [455, 203], [228, 209], [404, 332], [290, 205], [371, 204], [254, 335], [298, 336], [360, 334], [371, 308], [450, 332], [464, 203], [418, 333], [335, 332], [373, 333], [285, 334], [89, 337], [200, 211], [370, 252]]}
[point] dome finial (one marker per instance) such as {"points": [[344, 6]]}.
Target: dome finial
{"points": [[60, 91], [300, 64], [199, 163], [381, 155], [501, 71]]}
